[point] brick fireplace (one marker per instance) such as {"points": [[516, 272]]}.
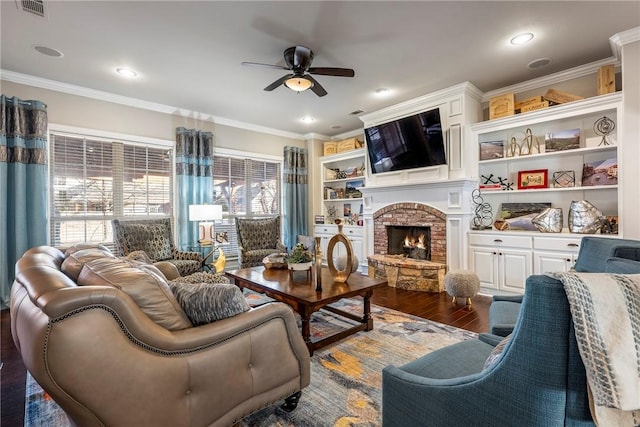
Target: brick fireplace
{"points": [[409, 268]]}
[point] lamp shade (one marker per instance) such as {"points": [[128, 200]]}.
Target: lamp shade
{"points": [[205, 212], [298, 84]]}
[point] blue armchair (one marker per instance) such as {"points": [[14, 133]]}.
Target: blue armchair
{"points": [[539, 380], [596, 255]]}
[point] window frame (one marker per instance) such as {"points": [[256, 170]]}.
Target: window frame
{"points": [[108, 137]]}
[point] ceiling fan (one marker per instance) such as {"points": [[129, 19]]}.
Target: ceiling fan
{"points": [[298, 60]]}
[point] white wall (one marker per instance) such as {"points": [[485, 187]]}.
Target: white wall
{"points": [[83, 112]]}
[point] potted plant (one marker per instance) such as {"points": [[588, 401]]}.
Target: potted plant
{"points": [[299, 258]]}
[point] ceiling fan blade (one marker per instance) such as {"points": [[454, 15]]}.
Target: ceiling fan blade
{"points": [[331, 71], [302, 57], [257, 64], [278, 82], [316, 88]]}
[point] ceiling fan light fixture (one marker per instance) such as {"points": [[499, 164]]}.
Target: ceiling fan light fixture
{"points": [[298, 84]]}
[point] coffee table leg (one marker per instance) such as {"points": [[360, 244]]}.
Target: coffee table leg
{"points": [[305, 316], [367, 311]]}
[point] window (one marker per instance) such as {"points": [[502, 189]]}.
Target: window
{"points": [[244, 187], [94, 179]]}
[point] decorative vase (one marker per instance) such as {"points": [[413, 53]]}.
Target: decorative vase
{"points": [[549, 220], [340, 275], [584, 218]]}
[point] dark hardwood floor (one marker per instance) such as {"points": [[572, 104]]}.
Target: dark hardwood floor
{"points": [[436, 307]]}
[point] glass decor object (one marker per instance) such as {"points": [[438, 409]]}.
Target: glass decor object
{"points": [[584, 218], [549, 220]]}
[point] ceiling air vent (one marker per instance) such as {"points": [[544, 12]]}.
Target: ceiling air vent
{"points": [[33, 6]]}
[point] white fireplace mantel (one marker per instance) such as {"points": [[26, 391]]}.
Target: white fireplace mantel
{"points": [[452, 197]]}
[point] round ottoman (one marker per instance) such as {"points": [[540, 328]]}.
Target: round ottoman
{"points": [[461, 283]]}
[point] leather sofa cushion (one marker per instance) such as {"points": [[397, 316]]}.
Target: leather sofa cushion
{"points": [[207, 302], [145, 284], [76, 259]]}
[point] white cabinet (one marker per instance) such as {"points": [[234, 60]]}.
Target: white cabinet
{"points": [[342, 175], [575, 118], [504, 259], [502, 263], [354, 234], [554, 254]]}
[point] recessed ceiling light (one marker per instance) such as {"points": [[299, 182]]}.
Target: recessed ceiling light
{"points": [[49, 51], [336, 127], [126, 72], [522, 38], [307, 119], [383, 91]]}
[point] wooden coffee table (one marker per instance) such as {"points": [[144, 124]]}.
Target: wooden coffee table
{"points": [[300, 293]]}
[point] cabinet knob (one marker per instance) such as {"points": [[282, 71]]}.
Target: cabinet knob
{"points": [[572, 245], [497, 240], [495, 253], [568, 259]]}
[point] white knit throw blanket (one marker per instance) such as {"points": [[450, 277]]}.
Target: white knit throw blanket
{"points": [[606, 314]]}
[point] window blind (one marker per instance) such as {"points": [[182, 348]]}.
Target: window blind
{"points": [[94, 180], [244, 187]]}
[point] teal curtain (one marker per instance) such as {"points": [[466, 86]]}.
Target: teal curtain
{"points": [[23, 184], [194, 175], [295, 193]]}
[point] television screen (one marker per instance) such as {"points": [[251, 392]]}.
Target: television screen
{"points": [[407, 143]]}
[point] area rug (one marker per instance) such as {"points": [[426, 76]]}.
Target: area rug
{"points": [[346, 377]]}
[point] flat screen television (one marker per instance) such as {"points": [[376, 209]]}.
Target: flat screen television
{"points": [[407, 143]]}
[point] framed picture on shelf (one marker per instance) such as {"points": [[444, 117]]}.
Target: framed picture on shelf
{"points": [[319, 219], [491, 150], [518, 216], [346, 209], [563, 179], [351, 188], [533, 179], [602, 172], [562, 140]]}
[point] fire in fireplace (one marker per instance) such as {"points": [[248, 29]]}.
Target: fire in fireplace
{"points": [[411, 241]]}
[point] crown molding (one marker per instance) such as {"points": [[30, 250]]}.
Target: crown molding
{"points": [[551, 79], [70, 89], [620, 39]]}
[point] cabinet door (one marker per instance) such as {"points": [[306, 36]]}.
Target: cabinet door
{"points": [[484, 264], [515, 267], [358, 250], [545, 262]]}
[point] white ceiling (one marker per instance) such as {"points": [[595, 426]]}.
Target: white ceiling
{"points": [[189, 54]]}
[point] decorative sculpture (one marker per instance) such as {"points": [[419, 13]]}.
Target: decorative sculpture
{"points": [[343, 274], [318, 266], [584, 218], [549, 220], [483, 214], [604, 127]]}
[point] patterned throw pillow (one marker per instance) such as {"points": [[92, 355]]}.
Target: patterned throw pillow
{"points": [[496, 353], [207, 302]]}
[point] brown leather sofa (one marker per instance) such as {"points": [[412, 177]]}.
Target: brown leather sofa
{"points": [[107, 363]]}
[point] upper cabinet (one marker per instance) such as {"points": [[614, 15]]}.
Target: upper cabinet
{"points": [[557, 155]]}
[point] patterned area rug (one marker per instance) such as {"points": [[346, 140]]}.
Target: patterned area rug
{"points": [[346, 377]]}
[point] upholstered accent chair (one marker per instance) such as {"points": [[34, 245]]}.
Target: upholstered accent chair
{"points": [[538, 380], [257, 238], [155, 238]]}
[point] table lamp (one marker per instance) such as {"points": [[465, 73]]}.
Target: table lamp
{"points": [[206, 214]]}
